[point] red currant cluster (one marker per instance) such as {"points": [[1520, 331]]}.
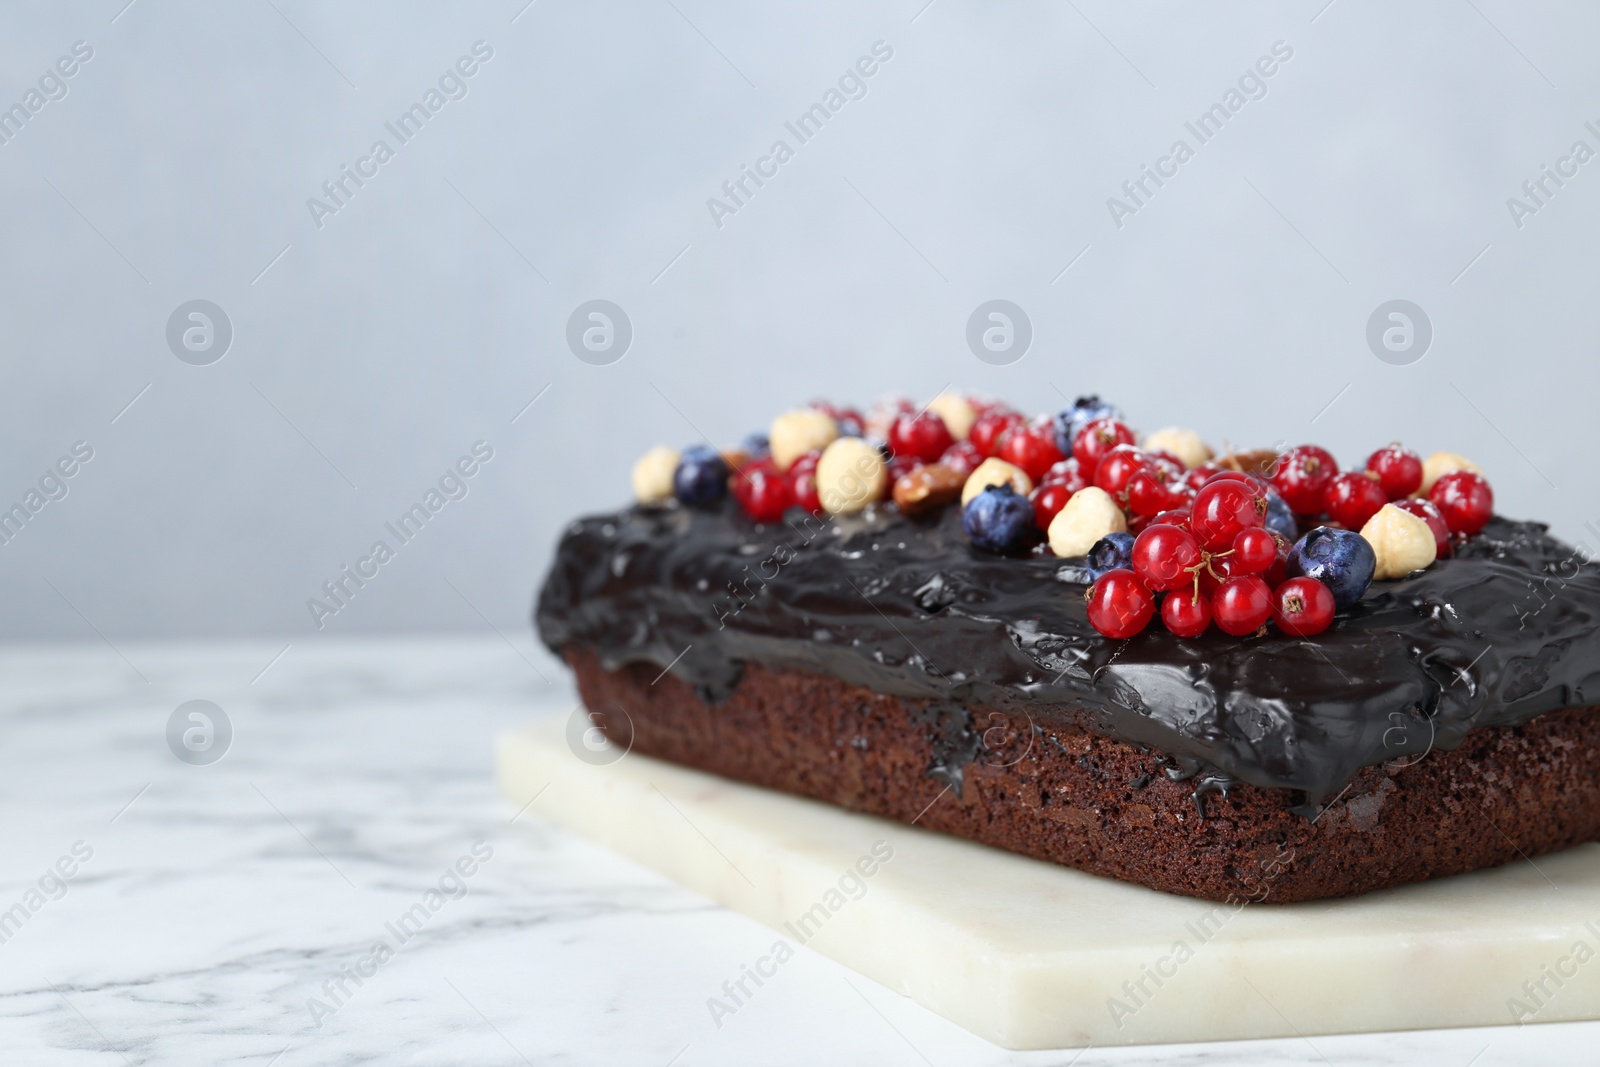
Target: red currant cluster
{"points": [[1216, 560]]}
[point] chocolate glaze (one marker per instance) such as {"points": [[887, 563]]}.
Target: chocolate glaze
{"points": [[1506, 630]]}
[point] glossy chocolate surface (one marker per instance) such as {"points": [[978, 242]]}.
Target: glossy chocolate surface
{"points": [[1506, 630]]}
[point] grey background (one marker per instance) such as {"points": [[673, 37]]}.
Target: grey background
{"points": [[426, 314]]}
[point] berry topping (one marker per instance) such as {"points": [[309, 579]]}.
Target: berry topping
{"points": [[1088, 516], [1047, 500], [1096, 439], [1464, 499], [1302, 607], [1031, 448], [1302, 478], [999, 519], [1067, 473], [924, 437], [1111, 552], [1428, 512], [1280, 516], [701, 480], [763, 492], [1353, 499], [962, 457], [1083, 411], [1342, 560], [1186, 447], [1147, 494], [1401, 541], [988, 428], [803, 482], [1165, 557], [1119, 604], [1399, 470], [1241, 605], [1118, 467], [1186, 613], [1224, 506], [1254, 549], [653, 475]]}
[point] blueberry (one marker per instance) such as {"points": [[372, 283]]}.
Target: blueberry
{"points": [[1113, 551], [1342, 560], [701, 480], [1083, 411], [999, 519], [1280, 519], [850, 426], [756, 444]]}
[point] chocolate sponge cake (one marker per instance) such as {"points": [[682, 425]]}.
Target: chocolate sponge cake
{"points": [[887, 658]]}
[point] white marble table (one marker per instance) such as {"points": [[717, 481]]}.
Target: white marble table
{"points": [[217, 901]]}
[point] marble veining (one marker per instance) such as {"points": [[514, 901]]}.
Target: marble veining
{"points": [[219, 902]]}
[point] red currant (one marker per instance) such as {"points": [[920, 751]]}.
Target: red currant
{"points": [[988, 427], [1148, 495], [1302, 477], [1032, 448], [1069, 473], [1119, 604], [1117, 467], [1176, 517], [1098, 438], [1465, 500], [1278, 570], [1167, 457], [1047, 500], [763, 492], [1211, 575], [1352, 499], [901, 465], [1186, 613], [803, 481], [1164, 556], [1399, 470], [1428, 512], [1222, 508], [1302, 607], [1197, 477], [1254, 549], [1241, 605], [923, 437], [963, 456]]}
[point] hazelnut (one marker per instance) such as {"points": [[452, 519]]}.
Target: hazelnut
{"points": [[956, 412], [1439, 464], [652, 475], [1086, 517], [850, 475], [1402, 542], [1185, 444], [995, 472], [927, 488], [795, 433]]}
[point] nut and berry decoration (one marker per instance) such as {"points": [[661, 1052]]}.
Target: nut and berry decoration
{"points": [[763, 491], [850, 475], [1119, 604], [1248, 544], [1464, 499], [1302, 477], [1401, 543], [795, 433], [1000, 520], [701, 477], [652, 475], [995, 472], [927, 488]]}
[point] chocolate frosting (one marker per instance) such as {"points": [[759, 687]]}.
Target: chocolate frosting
{"points": [[1507, 629]]}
